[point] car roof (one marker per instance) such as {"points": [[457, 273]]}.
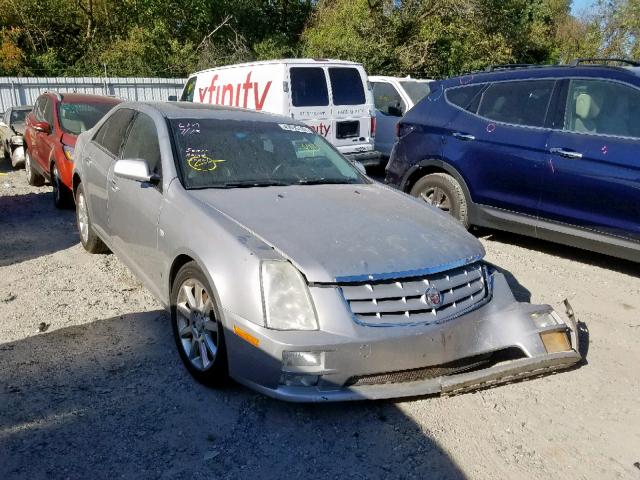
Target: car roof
{"points": [[85, 97], [375, 78], [175, 110], [283, 61], [545, 71]]}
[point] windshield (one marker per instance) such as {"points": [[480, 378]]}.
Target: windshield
{"points": [[234, 154], [416, 90], [76, 118], [18, 116]]}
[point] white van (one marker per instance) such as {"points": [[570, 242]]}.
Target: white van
{"points": [[331, 96]]}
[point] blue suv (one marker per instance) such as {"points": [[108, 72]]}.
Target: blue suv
{"points": [[547, 151]]}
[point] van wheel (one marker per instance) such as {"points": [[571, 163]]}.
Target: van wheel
{"points": [[443, 191], [33, 178], [88, 237], [197, 328]]}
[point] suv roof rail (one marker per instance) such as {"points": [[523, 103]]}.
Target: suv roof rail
{"points": [[507, 66], [578, 61]]}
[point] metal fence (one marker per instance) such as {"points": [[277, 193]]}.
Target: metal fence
{"points": [[16, 91]]}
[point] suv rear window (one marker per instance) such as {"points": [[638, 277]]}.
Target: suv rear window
{"points": [[308, 87], [346, 86], [519, 102]]}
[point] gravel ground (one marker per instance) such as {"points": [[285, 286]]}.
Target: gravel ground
{"points": [[101, 392]]}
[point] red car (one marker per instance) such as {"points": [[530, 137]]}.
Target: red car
{"points": [[52, 129]]}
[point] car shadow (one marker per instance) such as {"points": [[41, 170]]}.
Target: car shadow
{"points": [[30, 226], [111, 398], [564, 251]]}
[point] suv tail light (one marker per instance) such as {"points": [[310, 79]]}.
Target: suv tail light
{"points": [[373, 125]]}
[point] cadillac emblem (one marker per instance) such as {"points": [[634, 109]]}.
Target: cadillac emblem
{"points": [[432, 296]]}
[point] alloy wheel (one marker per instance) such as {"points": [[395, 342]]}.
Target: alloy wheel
{"points": [[83, 218], [437, 197], [197, 324]]}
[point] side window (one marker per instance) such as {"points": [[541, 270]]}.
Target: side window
{"points": [[189, 89], [466, 98], [386, 95], [347, 87], [48, 112], [111, 133], [520, 103], [602, 107], [308, 87], [142, 143]]}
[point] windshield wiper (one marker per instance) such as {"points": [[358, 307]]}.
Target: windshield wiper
{"points": [[322, 181]]}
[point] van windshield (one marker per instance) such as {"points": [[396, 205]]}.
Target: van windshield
{"points": [[215, 153], [346, 86]]}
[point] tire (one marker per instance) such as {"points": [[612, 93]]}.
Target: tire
{"points": [[444, 192], [88, 237], [33, 178], [6, 151], [62, 196], [197, 328]]}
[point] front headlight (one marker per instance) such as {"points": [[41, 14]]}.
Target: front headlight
{"points": [[286, 297], [68, 152]]}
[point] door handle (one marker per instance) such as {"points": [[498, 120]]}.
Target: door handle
{"points": [[566, 153], [463, 136]]}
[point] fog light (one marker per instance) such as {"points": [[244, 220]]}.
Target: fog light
{"points": [[546, 319], [298, 380], [555, 341], [301, 359]]}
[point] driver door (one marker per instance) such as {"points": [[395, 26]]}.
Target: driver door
{"points": [[134, 207]]}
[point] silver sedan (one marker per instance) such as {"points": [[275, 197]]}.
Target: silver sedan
{"points": [[286, 268]]}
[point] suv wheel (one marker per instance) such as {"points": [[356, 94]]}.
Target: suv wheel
{"points": [[33, 178], [197, 329], [443, 191], [89, 239], [61, 194]]}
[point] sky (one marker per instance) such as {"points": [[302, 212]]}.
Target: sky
{"points": [[578, 5]]}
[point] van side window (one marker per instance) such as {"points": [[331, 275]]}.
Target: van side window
{"points": [[385, 95], [189, 89], [346, 86], [111, 133], [308, 87], [519, 103], [466, 98], [601, 107]]}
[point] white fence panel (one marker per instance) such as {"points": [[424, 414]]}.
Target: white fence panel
{"points": [[16, 91]]}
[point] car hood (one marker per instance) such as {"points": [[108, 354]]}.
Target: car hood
{"points": [[348, 232]]}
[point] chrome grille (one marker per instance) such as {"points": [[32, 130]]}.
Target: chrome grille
{"points": [[403, 302]]}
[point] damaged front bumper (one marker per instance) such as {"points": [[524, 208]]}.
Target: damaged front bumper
{"points": [[499, 342]]}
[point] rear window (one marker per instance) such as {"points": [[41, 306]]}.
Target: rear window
{"points": [[346, 86], [519, 103], [308, 87]]}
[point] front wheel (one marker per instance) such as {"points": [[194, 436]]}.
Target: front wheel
{"points": [[197, 329], [62, 196], [444, 192], [88, 237]]}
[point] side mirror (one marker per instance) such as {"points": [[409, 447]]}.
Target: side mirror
{"points": [[173, 98], [394, 110], [43, 127], [136, 170]]}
